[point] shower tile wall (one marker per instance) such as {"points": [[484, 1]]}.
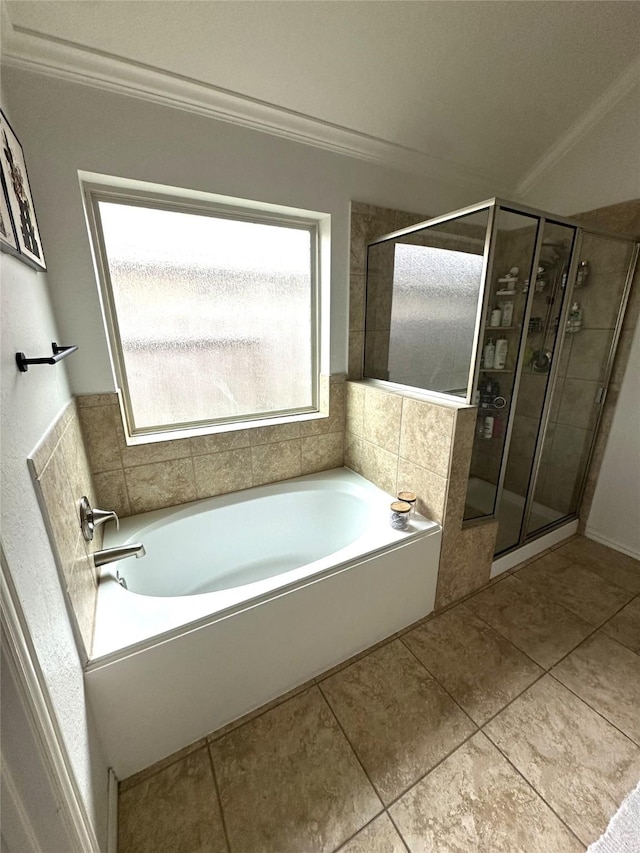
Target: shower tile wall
{"points": [[399, 442], [62, 475], [596, 301], [433, 458], [140, 478]]}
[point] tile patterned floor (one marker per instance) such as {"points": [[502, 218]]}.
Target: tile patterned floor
{"points": [[509, 723]]}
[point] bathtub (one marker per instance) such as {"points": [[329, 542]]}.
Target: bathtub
{"points": [[242, 597]]}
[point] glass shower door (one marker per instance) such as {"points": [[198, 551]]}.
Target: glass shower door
{"points": [[546, 293], [580, 385]]}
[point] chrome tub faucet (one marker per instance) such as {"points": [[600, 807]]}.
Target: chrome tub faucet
{"points": [[120, 552]]}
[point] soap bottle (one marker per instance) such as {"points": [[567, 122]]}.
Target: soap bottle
{"points": [[574, 321], [489, 354], [582, 274], [500, 358], [487, 430], [496, 315], [507, 313]]}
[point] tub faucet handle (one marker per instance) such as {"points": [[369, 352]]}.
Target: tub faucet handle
{"points": [[92, 518]]}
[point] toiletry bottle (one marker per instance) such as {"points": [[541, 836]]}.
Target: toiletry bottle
{"points": [[583, 274], [500, 359], [574, 321], [489, 354], [507, 313], [487, 431], [496, 316]]}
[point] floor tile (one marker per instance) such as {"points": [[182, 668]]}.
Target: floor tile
{"points": [[175, 809], [379, 837], [534, 623], [606, 676], [398, 719], [625, 626], [610, 564], [480, 668], [289, 781], [575, 587], [475, 802], [580, 764]]}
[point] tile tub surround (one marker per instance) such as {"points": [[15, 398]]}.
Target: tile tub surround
{"points": [[403, 442], [137, 478], [62, 475], [444, 737]]}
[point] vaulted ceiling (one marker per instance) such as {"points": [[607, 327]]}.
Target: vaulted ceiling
{"points": [[484, 91]]}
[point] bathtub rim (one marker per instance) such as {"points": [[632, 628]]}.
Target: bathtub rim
{"points": [[426, 527]]}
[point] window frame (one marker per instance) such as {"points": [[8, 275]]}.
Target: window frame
{"points": [[176, 200]]}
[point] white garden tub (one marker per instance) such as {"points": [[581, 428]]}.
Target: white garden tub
{"points": [[242, 597]]}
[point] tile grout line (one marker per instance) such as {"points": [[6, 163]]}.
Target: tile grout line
{"points": [[219, 798], [533, 788], [353, 750], [441, 686], [595, 710]]}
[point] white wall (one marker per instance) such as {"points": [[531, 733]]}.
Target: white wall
{"points": [[602, 168], [614, 512], [67, 127], [30, 403]]}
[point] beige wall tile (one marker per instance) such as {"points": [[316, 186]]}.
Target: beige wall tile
{"points": [[355, 409], [322, 452], [278, 461], [382, 414], [83, 592], [336, 420], [61, 510], [354, 452], [356, 302], [203, 444], [90, 400], [42, 452], [219, 473], [430, 488], [272, 434], [426, 435], [102, 436], [465, 561], [156, 451], [356, 354], [378, 465], [160, 484], [111, 492]]}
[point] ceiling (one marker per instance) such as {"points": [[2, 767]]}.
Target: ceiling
{"points": [[475, 89]]}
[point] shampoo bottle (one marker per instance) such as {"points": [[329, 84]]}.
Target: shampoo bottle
{"points": [[574, 321], [489, 353], [500, 358], [507, 313], [487, 431]]}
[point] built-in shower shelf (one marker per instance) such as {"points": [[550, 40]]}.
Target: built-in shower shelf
{"points": [[496, 370], [501, 328]]}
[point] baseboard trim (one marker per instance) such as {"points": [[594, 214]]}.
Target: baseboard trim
{"points": [[590, 533], [532, 549]]}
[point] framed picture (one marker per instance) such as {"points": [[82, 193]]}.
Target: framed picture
{"points": [[18, 196], [7, 232]]}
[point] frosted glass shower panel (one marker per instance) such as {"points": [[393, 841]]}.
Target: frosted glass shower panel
{"points": [[424, 287], [431, 333]]}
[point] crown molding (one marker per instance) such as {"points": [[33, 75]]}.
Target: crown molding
{"points": [[29, 50], [603, 105]]}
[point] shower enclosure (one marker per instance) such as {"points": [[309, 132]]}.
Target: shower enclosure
{"points": [[518, 312]]}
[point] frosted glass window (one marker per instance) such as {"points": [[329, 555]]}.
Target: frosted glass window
{"points": [[435, 301], [214, 317]]}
